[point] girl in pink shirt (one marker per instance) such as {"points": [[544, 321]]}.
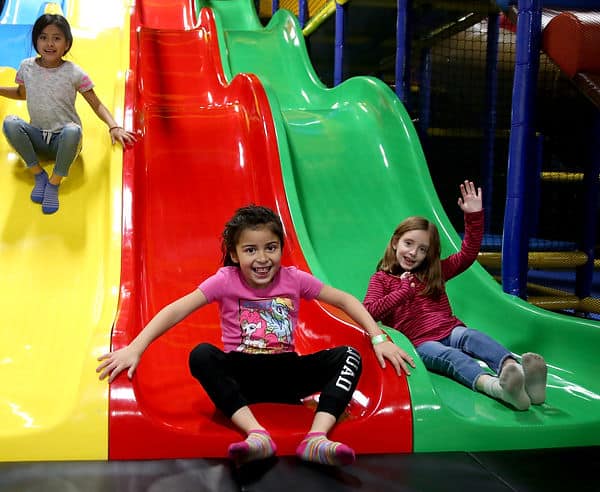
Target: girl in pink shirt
{"points": [[258, 302], [408, 293]]}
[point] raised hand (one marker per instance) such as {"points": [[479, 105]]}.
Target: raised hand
{"points": [[471, 200], [409, 277]]}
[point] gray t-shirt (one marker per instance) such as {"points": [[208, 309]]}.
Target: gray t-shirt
{"points": [[51, 93]]}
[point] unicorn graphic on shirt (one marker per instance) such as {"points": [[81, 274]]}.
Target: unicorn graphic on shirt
{"points": [[278, 319]]}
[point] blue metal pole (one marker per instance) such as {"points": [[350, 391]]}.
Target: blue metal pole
{"points": [[491, 98], [515, 236], [302, 12], [340, 40], [401, 45], [274, 7]]}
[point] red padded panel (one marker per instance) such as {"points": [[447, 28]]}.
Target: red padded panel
{"points": [[572, 40]]}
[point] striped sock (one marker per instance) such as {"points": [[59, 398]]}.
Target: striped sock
{"points": [[316, 448], [257, 446], [37, 194], [50, 201]]}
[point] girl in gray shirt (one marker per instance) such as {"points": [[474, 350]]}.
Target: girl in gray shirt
{"points": [[50, 84]]}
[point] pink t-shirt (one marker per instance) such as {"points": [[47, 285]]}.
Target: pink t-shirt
{"points": [[259, 320]]}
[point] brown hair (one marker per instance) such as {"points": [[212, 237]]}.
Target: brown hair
{"points": [[250, 217], [430, 271], [57, 20]]}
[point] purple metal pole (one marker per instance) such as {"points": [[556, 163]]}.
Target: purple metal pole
{"points": [[401, 44], [491, 99], [424, 95], [585, 273]]}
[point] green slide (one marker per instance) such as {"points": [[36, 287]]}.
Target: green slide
{"points": [[353, 169]]}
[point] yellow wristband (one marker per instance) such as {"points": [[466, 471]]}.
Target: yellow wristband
{"points": [[377, 339]]}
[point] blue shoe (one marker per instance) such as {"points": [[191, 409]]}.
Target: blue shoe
{"points": [[41, 180], [50, 201]]}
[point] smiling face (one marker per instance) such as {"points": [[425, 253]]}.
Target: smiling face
{"points": [[258, 253], [411, 249], [52, 44]]}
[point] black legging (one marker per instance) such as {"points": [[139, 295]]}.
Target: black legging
{"points": [[234, 379]]}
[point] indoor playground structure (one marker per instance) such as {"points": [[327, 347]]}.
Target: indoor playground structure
{"points": [[227, 112]]}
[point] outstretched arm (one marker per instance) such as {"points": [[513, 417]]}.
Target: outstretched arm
{"points": [[16, 92], [113, 363], [353, 308], [117, 133]]}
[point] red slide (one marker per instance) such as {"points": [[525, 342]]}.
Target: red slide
{"points": [[207, 147]]}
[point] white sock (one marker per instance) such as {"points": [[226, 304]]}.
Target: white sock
{"points": [[509, 387], [536, 373]]}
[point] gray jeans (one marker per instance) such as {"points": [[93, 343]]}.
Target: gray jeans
{"points": [[33, 144]]}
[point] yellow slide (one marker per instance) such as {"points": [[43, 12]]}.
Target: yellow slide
{"points": [[59, 274]]}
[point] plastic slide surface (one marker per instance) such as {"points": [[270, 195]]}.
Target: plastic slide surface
{"points": [[209, 147], [353, 169], [60, 273]]}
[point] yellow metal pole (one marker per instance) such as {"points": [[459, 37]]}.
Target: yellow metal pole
{"points": [[321, 16]]}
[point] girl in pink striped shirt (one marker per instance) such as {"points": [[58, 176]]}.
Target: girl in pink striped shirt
{"points": [[407, 292]]}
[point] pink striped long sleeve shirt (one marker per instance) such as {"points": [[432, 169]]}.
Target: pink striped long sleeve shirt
{"points": [[392, 301]]}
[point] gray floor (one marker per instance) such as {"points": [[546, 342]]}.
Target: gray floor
{"points": [[535, 470]]}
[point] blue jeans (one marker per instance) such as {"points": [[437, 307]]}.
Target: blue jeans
{"points": [[31, 143], [454, 356]]}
